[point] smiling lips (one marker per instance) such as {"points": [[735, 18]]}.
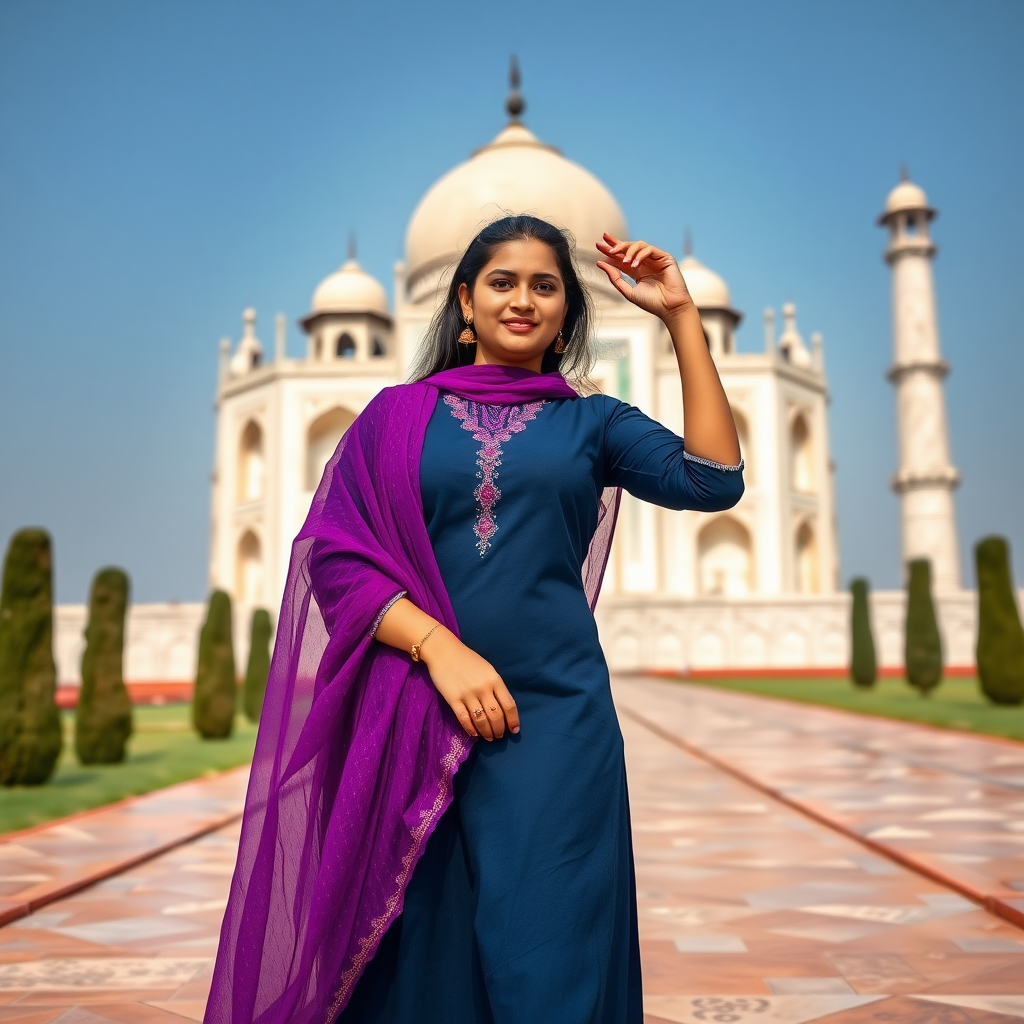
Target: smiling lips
{"points": [[519, 326]]}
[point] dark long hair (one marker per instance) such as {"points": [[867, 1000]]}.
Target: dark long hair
{"points": [[441, 349]]}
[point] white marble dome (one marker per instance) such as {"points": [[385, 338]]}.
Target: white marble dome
{"points": [[350, 289], [906, 196], [516, 173], [707, 289]]}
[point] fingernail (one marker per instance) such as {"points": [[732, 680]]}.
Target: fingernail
{"points": [[516, 729]]}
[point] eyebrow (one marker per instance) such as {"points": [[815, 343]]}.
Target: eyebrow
{"points": [[512, 273]]}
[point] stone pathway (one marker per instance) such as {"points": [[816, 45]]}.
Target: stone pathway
{"points": [[949, 805], [750, 910], [47, 862], [133, 949]]}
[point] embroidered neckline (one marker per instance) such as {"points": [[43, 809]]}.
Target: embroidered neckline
{"points": [[492, 426]]}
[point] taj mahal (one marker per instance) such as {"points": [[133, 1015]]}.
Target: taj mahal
{"points": [[757, 587]]}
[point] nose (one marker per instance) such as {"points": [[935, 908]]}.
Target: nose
{"points": [[522, 298]]}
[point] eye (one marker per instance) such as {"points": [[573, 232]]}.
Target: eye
{"points": [[501, 283]]}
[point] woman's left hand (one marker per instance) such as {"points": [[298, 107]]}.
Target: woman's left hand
{"points": [[659, 289]]}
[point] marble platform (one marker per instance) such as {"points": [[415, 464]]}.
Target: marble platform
{"points": [[751, 911]]}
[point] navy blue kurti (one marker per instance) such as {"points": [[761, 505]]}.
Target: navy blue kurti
{"points": [[523, 908]]}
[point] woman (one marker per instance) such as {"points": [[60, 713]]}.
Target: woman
{"points": [[440, 595]]}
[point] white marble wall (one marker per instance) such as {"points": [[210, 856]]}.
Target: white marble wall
{"points": [[676, 633], [161, 642], [637, 632]]}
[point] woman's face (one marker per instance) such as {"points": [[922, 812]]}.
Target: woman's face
{"points": [[517, 306]]}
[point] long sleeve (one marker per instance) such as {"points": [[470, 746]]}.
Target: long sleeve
{"points": [[652, 463]]}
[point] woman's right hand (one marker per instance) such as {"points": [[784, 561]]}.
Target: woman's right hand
{"points": [[468, 682]]}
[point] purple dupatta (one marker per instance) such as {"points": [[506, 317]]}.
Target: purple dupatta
{"points": [[356, 750]]}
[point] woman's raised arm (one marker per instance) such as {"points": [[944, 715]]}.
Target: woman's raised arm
{"points": [[708, 427]]}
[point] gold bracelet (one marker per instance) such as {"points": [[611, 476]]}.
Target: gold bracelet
{"points": [[415, 649]]}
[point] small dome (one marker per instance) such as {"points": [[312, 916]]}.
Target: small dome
{"points": [[906, 196], [706, 288], [516, 173], [350, 290]]}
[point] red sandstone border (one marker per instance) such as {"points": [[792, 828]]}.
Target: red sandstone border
{"points": [[20, 910], [159, 692]]}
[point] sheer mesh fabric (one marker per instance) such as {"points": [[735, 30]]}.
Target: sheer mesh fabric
{"points": [[356, 750]]}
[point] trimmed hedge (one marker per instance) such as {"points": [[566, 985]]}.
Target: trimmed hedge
{"points": [[258, 667], [1000, 652], [30, 729], [923, 643], [214, 700], [863, 665], [103, 719]]}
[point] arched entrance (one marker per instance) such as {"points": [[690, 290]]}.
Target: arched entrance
{"points": [[250, 463], [725, 559], [249, 570], [321, 439]]}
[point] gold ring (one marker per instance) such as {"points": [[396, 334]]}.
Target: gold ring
{"points": [[477, 712]]}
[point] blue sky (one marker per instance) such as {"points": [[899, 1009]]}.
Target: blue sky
{"points": [[163, 165]]}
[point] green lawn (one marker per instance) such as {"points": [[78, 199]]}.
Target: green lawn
{"points": [[957, 703], [163, 750]]}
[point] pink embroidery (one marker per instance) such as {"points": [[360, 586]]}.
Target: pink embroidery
{"points": [[492, 425]]}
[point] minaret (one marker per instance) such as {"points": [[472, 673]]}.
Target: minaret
{"points": [[926, 478]]}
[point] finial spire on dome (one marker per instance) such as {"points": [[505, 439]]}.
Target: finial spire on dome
{"points": [[904, 173], [687, 242], [351, 245], [515, 104]]}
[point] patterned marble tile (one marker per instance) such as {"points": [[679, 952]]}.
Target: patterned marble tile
{"points": [[808, 986], [950, 802], [189, 1009], [908, 1010], [80, 1016], [876, 972], [99, 973], [774, 1009], [128, 930], [1011, 1006], [56, 858], [871, 929], [989, 945], [749, 911], [710, 944]]}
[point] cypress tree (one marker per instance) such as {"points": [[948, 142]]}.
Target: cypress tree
{"points": [[30, 728], [863, 667], [1000, 651], [103, 719], [258, 668], [213, 703], [923, 650]]}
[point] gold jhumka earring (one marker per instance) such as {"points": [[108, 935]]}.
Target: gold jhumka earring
{"points": [[559, 343], [468, 335]]}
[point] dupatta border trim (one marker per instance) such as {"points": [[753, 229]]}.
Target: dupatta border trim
{"points": [[457, 751]]}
